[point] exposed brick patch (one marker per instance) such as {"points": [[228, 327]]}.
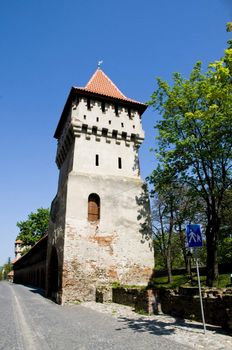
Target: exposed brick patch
{"points": [[104, 241], [112, 273], [136, 274]]}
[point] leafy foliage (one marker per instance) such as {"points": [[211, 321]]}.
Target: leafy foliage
{"points": [[32, 229], [173, 207], [5, 269], [229, 26], [195, 143]]}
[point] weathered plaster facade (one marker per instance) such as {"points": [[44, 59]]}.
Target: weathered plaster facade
{"points": [[99, 135]]}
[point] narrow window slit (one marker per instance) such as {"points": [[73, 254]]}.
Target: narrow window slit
{"points": [[97, 160], [103, 106]]}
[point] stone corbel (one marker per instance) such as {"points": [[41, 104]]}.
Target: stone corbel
{"points": [[98, 136], [77, 130], [109, 137], [118, 139], [128, 141], [88, 134]]}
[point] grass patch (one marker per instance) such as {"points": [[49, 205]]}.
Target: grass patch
{"points": [[185, 281], [127, 286], [162, 282], [142, 312]]}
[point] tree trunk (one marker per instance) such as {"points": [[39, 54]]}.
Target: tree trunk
{"points": [[212, 234], [169, 266], [183, 246]]}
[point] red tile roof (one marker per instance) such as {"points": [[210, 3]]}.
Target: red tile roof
{"points": [[101, 84]]}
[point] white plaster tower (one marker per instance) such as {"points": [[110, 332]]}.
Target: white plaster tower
{"points": [[99, 230]]}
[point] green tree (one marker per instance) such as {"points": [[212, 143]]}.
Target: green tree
{"points": [[229, 26], [5, 269], [195, 141], [32, 229], [163, 227], [225, 239], [173, 207]]}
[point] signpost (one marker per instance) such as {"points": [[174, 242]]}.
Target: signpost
{"points": [[194, 238]]}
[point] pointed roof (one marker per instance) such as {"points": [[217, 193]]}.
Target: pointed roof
{"points": [[101, 84]]}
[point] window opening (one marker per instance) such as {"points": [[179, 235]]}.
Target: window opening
{"points": [[133, 137], [114, 134], [93, 207], [94, 130], [129, 113], [109, 121], [84, 116], [88, 104], [97, 119], [97, 160], [116, 109], [119, 162], [84, 128], [122, 125], [104, 132], [103, 106], [124, 134]]}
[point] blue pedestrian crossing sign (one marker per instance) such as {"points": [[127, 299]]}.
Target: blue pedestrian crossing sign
{"points": [[194, 235]]}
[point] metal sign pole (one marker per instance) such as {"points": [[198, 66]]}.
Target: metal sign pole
{"points": [[199, 286]]}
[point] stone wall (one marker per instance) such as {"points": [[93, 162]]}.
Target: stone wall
{"points": [[183, 303], [31, 268]]}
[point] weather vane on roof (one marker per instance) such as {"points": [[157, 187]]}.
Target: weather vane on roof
{"points": [[99, 64]]}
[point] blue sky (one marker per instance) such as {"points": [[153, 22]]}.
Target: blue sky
{"points": [[48, 46]]}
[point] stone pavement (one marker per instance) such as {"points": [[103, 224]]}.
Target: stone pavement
{"points": [[185, 332]]}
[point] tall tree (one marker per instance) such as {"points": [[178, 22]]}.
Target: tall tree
{"points": [[163, 227], [173, 207], [195, 140], [32, 229]]}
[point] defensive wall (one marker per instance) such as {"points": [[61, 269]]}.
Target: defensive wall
{"points": [[182, 302], [30, 269]]}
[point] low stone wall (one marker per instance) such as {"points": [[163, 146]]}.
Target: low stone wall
{"points": [[182, 303], [142, 300], [185, 303]]}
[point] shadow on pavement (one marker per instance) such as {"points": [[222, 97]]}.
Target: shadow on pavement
{"points": [[36, 290], [164, 328]]}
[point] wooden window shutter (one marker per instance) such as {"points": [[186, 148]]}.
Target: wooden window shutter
{"points": [[93, 207]]}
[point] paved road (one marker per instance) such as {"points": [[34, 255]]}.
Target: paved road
{"points": [[29, 321]]}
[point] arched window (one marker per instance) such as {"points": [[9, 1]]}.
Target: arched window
{"points": [[93, 207]]}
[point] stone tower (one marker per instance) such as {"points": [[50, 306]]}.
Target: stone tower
{"points": [[99, 230]]}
